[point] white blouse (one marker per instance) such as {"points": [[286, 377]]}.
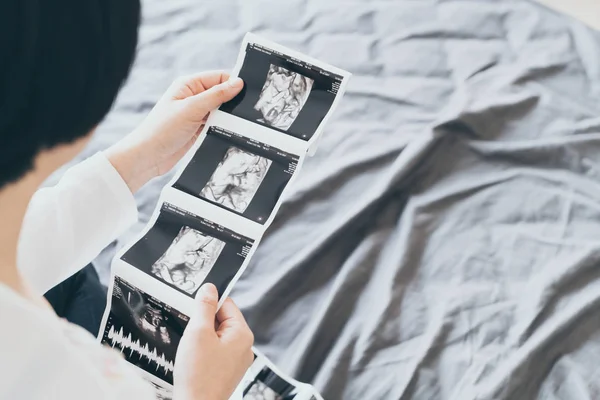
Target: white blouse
{"points": [[66, 227]]}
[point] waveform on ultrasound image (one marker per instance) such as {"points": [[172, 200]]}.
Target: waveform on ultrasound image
{"points": [[188, 260], [282, 97], [125, 342], [236, 179]]}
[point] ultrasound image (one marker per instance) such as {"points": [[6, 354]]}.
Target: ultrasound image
{"points": [[260, 391], [151, 322], [188, 260], [236, 179], [163, 393], [282, 97], [148, 317], [284, 93], [145, 330], [267, 385]]}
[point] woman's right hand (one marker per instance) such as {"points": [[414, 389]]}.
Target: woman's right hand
{"points": [[215, 350]]}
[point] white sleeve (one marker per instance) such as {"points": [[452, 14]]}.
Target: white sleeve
{"points": [[68, 225]]}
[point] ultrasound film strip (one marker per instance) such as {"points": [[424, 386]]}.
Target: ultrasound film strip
{"points": [[213, 213]]}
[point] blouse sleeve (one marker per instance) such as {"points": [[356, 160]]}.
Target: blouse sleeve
{"points": [[66, 226]]}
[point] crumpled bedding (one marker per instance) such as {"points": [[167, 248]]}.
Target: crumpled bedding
{"points": [[444, 242]]}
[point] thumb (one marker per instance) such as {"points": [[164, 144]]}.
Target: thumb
{"points": [[212, 98], [207, 301]]}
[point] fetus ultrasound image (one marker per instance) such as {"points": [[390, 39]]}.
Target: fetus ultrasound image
{"points": [[267, 385], [236, 179], [283, 93], [188, 260], [282, 97], [260, 391], [238, 174], [184, 251]]}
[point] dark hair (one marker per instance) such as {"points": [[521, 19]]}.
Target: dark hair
{"points": [[62, 63]]}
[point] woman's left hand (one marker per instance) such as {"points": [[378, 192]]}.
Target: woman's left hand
{"points": [[171, 128]]}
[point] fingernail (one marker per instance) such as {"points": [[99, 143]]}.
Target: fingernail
{"points": [[207, 289], [235, 83]]}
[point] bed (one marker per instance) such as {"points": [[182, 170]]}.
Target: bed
{"points": [[444, 242]]}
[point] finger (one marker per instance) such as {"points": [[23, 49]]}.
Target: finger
{"points": [[205, 311], [232, 324], [205, 80], [191, 85], [212, 98], [229, 312]]}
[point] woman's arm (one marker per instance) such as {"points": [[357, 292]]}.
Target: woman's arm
{"points": [[67, 225]]}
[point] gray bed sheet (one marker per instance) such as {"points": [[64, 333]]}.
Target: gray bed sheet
{"points": [[444, 243]]}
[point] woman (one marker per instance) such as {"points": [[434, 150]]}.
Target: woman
{"points": [[61, 65]]}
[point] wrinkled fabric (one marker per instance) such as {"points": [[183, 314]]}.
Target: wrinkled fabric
{"points": [[444, 242]]}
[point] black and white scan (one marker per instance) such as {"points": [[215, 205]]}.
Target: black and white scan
{"points": [[145, 330], [188, 260], [239, 174], [236, 179], [184, 251], [221, 201], [260, 391], [283, 93], [267, 385], [162, 393], [282, 97]]}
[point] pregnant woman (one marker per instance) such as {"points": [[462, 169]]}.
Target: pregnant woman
{"points": [[62, 63]]}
